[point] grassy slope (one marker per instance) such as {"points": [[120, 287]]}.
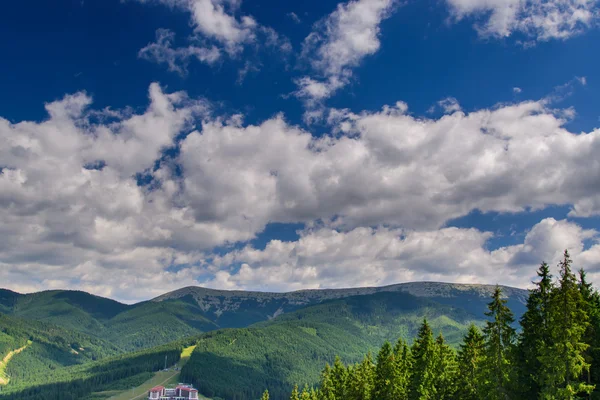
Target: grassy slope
{"points": [[293, 347], [190, 311], [48, 347], [150, 324], [112, 373], [129, 328], [165, 378]]}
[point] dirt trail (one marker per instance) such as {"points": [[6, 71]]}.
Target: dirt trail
{"points": [[4, 363]]}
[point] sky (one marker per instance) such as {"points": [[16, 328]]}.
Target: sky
{"points": [[148, 145]]}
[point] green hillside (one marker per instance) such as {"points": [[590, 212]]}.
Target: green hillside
{"points": [[80, 381], [79, 311], [269, 340], [128, 327], [193, 310], [293, 347], [45, 347], [150, 324]]}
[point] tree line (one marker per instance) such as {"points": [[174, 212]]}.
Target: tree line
{"points": [[555, 355]]}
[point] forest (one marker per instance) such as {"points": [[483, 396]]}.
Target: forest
{"points": [[79, 381], [554, 355]]}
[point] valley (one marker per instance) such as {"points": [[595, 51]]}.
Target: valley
{"points": [[263, 339], [167, 377]]}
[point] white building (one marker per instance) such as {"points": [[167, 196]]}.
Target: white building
{"points": [[181, 392]]}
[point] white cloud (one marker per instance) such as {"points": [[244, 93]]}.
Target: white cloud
{"points": [[216, 19], [449, 105], [294, 17], [339, 43], [176, 59], [539, 20], [517, 90], [326, 258], [72, 212], [216, 22]]}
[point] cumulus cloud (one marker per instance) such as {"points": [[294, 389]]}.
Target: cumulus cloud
{"points": [[90, 198], [214, 21], [326, 258], [536, 19], [339, 43], [449, 105]]}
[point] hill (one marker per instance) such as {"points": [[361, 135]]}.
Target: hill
{"points": [[250, 334], [29, 348], [128, 327], [289, 349], [113, 373], [193, 310]]}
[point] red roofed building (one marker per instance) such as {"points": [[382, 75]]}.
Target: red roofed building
{"points": [[181, 392]]}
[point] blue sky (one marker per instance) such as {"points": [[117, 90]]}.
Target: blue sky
{"points": [[278, 146]]}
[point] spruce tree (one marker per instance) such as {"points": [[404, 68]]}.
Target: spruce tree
{"points": [[445, 370], [339, 375], [403, 362], [563, 364], [295, 395], [265, 395], [422, 385], [385, 373], [499, 338], [327, 387], [361, 380], [315, 394], [470, 358], [535, 334], [305, 395], [591, 300]]}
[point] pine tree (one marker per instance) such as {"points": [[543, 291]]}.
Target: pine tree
{"points": [[327, 387], [470, 358], [403, 362], [499, 340], [295, 395], [315, 394], [305, 395], [265, 395], [445, 370], [563, 364], [339, 375], [385, 373], [422, 385], [535, 334], [591, 300], [361, 380]]}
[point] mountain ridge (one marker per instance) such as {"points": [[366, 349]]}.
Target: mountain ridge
{"points": [[220, 304], [348, 291], [193, 310], [351, 291]]}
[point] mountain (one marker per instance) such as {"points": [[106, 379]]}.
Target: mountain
{"points": [[128, 327], [29, 348], [292, 348], [193, 310], [75, 310], [235, 309], [80, 381], [263, 339]]}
